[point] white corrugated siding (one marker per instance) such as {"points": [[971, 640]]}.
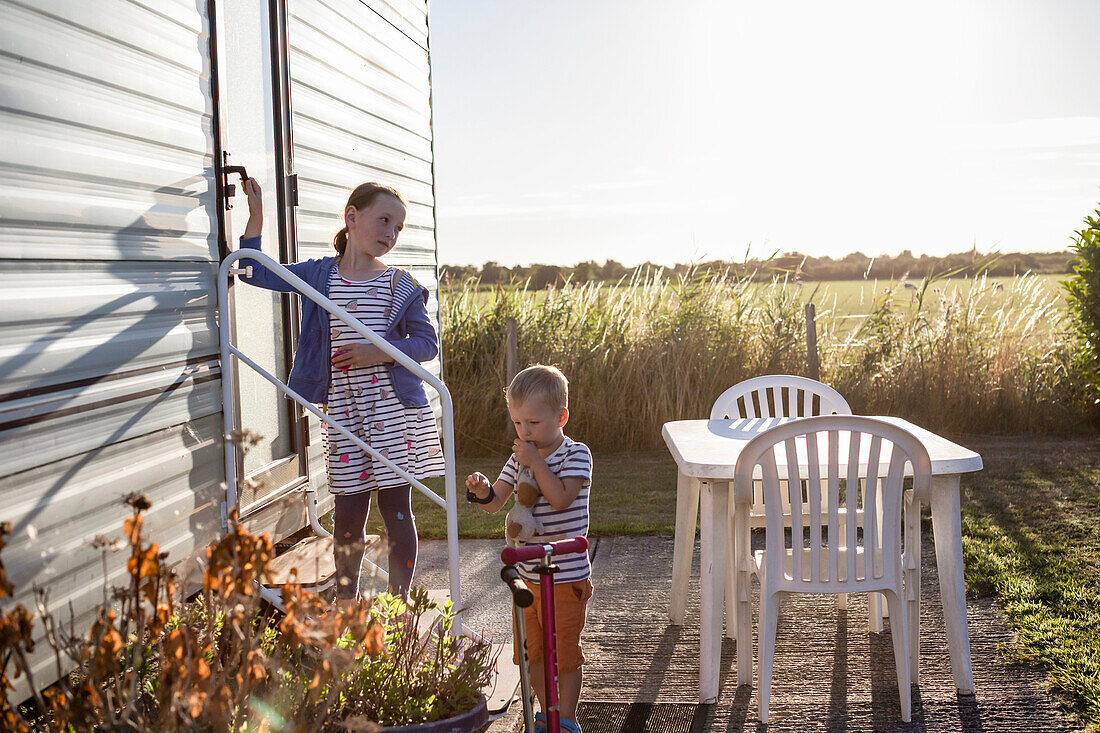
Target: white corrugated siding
{"points": [[361, 99], [109, 374]]}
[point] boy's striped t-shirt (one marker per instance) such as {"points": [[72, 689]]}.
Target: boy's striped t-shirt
{"points": [[570, 460]]}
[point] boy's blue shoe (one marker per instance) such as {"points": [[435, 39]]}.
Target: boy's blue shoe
{"points": [[569, 726]]}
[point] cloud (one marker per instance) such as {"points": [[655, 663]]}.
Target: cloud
{"points": [[1047, 134]]}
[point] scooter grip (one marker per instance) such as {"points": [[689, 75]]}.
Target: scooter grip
{"points": [[512, 555], [521, 594]]}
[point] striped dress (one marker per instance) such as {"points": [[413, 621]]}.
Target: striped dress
{"points": [[569, 460], [363, 400]]}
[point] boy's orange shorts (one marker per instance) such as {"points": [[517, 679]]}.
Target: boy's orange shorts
{"points": [[570, 607]]}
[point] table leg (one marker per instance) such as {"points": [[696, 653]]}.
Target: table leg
{"points": [[947, 533], [713, 530], [687, 511]]}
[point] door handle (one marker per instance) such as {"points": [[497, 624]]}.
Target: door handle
{"points": [[227, 170], [230, 189], [238, 169]]}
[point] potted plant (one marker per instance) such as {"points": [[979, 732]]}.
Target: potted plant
{"points": [[225, 660]]}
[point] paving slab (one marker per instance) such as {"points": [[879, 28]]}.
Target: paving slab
{"points": [[831, 673]]}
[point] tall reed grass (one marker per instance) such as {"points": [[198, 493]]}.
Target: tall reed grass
{"points": [[655, 348]]}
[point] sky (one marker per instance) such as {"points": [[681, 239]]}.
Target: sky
{"points": [[693, 130]]}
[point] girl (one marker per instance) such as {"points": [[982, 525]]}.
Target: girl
{"points": [[381, 402]]}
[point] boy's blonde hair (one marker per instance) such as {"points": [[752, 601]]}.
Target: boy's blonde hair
{"points": [[542, 382]]}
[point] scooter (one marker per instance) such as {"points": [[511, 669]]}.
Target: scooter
{"points": [[522, 598]]}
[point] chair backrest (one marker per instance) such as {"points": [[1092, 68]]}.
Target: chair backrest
{"points": [[827, 466], [778, 395]]}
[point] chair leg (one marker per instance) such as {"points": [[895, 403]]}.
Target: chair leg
{"points": [[874, 612], [899, 636], [733, 564], [769, 619], [842, 601], [911, 561], [742, 564]]}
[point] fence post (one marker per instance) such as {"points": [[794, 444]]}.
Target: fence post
{"points": [[510, 340], [811, 341], [510, 347]]}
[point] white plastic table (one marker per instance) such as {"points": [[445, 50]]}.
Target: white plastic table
{"points": [[706, 453]]}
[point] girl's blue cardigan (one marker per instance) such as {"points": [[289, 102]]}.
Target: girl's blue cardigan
{"points": [[409, 330]]}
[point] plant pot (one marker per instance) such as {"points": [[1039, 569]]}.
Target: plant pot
{"points": [[467, 722]]}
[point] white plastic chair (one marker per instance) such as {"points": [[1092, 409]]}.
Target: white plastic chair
{"points": [[771, 395], [867, 455], [783, 395], [778, 395]]}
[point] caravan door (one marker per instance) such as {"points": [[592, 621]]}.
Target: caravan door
{"points": [[251, 101]]}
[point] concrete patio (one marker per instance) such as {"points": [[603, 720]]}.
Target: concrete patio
{"points": [[831, 674]]}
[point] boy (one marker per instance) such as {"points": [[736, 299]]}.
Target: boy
{"points": [[538, 403]]}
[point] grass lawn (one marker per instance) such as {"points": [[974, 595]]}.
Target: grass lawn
{"points": [[633, 494], [1031, 538]]}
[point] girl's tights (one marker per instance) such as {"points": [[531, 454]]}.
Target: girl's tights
{"points": [[349, 537]]}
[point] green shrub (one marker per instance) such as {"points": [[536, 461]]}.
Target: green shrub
{"points": [[1084, 302]]}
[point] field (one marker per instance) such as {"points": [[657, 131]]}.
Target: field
{"points": [[966, 355], [852, 297]]}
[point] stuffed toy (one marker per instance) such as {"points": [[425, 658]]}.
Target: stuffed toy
{"points": [[520, 526]]}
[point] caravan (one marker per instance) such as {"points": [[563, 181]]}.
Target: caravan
{"points": [[120, 120]]}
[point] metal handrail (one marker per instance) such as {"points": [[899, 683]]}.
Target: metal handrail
{"points": [[450, 499]]}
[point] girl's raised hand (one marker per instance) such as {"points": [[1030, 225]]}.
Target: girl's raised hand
{"points": [[255, 223], [358, 355]]}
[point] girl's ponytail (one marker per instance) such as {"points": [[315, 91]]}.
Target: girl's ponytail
{"points": [[362, 197], [340, 241]]}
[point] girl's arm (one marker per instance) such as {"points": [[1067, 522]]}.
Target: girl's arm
{"points": [[251, 240], [255, 223], [416, 338]]}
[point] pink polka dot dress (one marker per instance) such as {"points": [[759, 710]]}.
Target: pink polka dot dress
{"points": [[363, 400]]}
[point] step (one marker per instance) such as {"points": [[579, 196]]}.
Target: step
{"points": [[313, 560], [505, 689]]}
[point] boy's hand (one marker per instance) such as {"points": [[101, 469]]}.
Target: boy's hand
{"points": [[526, 453], [478, 484], [358, 355], [255, 223]]}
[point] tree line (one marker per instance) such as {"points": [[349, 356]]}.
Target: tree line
{"points": [[794, 265]]}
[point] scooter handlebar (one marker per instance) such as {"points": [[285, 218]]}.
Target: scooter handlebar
{"points": [[512, 555], [521, 594]]}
